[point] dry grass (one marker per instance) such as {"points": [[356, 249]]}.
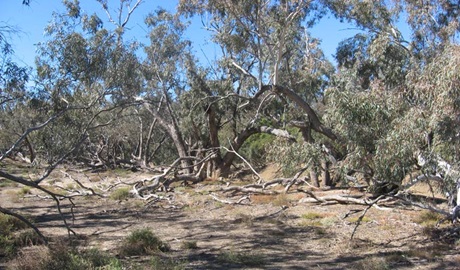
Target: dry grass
{"points": [[24, 191], [244, 219], [281, 200], [248, 259], [312, 215], [262, 198], [427, 218], [372, 263], [364, 219]]}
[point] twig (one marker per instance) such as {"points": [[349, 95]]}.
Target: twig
{"points": [[358, 222], [243, 159], [82, 186]]}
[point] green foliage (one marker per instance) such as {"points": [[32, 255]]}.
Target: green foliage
{"points": [[373, 123], [8, 225], [120, 194], [255, 148], [13, 236], [142, 242], [63, 257], [294, 156]]}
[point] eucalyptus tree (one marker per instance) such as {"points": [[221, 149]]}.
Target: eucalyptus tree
{"points": [[164, 73], [13, 92], [393, 98], [270, 67], [84, 73], [88, 69]]}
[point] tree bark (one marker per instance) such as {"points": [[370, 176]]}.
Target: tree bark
{"points": [[326, 177], [314, 178]]}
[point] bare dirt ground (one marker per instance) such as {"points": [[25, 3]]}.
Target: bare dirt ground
{"points": [[274, 231]]}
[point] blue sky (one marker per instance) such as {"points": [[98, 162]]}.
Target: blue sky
{"points": [[31, 21]]}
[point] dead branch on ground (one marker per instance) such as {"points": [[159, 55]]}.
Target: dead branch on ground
{"points": [[239, 201]]}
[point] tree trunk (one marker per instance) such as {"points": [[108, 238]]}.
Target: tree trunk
{"points": [[314, 178], [458, 192], [326, 177], [147, 144], [173, 131], [214, 136], [31, 148]]}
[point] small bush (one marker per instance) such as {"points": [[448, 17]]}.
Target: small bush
{"points": [[63, 257], [427, 218], [142, 242], [24, 191], [9, 224], [247, 259], [27, 238], [189, 245], [7, 247], [372, 263], [120, 194], [99, 259], [158, 263], [9, 242]]}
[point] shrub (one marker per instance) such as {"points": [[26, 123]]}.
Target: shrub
{"points": [[158, 263], [189, 245], [9, 243], [9, 224], [142, 242], [24, 191], [428, 218], [372, 263], [120, 194], [63, 257]]}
